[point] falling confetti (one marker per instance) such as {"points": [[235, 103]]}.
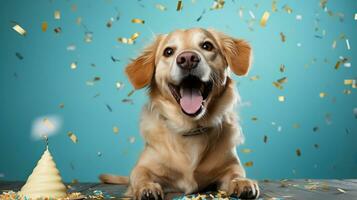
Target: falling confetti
{"points": [[254, 78], [114, 59], [119, 85], [44, 26], [246, 151], [316, 146], [73, 65], [130, 93], [282, 68], [265, 139], [298, 152], [88, 37], [99, 154], [200, 17], [128, 101], [282, 80], [282, 37], [71, 47], [264, 19], [281, 98], [72, 136], [131, 139], [19, 56], [19, 30], [322, 94], [355, 112], [217, 4], [273, 6], [315, 129], [254, 118], [115, 130], [248, 164], [109, 108], [348, 44], [61, 105], [93, 81], [298, 17], [251, 14], [341, 190], [287, 9], [160, 7], [179, 5], [57, 30], [137, 21], [57, 14]]}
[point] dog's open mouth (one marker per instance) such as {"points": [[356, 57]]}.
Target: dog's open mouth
{"points": [[191, 94]]}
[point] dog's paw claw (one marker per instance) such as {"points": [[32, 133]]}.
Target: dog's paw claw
{"points": [[150, 191], [244, 188]]}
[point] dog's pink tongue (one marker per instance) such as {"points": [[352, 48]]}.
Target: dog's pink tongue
{"points": [[191, 100]]}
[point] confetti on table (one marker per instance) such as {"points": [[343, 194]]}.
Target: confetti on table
{"points": [[19, 30], [298, 152], [57, 14], [264, 19], [72, 136], [322, 94], [137, 21], [19, 56], [73, 65], [179, 5], [248, 164], [217, 4], [281, 98], [160, 7], [115, 130], [265, 139], [282, 37]]}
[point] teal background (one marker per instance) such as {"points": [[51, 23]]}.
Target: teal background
{"points": [[36, 85]]}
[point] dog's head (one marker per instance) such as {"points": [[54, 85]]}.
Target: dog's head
{"points": [[190, 67]]}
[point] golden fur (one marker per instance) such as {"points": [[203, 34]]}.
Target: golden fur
{"points": [[171, 161]]}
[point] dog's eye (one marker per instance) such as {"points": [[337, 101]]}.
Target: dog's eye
{"points": [[207, 46], [168, 52]]}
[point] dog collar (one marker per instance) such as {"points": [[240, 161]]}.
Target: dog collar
{"points": [[197, 131]]}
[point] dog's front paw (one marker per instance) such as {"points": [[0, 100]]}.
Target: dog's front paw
{"points": [[149, 191], [243, 188]]}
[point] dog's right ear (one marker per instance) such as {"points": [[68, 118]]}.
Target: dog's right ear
{"points": [[141, 70]]}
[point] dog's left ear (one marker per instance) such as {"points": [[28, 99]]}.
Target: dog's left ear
{"points": [[141, 70], [237, 52]]}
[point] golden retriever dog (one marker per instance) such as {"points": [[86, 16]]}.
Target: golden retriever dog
{"points": [[189, 125]]}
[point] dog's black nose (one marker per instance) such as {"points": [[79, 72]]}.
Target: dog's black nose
{"points": [[188, 60]]}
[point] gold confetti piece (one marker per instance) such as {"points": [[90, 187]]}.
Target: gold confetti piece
{"points": [[298, 152], [135, 36], [88, 37], [160, 7], [347, 91], [248, 164], [44, 26], [264, 18], [137, 21], [131, 93], [282, 68], [341, 190], [73, 65], [115, 129], [273, 6], [282, 37], [72, 136], [19, 30], [265, 139], [57, 14], [217, 4], [282, 80], [337, 65], [61, 105], [254, 78], [246, 151], [348, 81], [323, 94], [287, 9], [281, 98], [278, 85], [348, 44], [254, 118], [179, 5]]}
